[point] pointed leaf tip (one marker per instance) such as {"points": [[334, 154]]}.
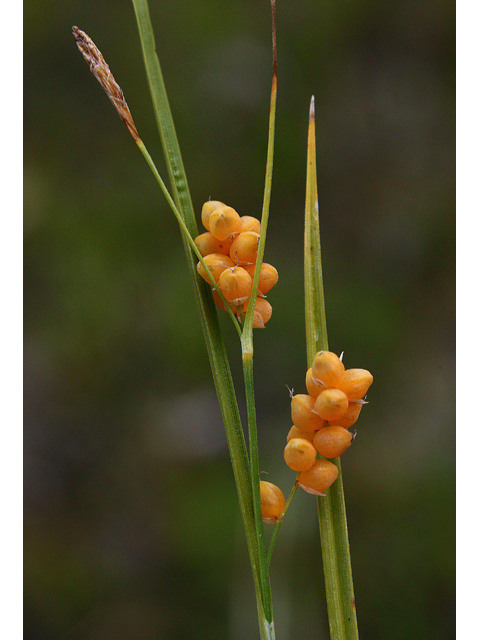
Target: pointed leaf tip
{"points": [[312, 108]]}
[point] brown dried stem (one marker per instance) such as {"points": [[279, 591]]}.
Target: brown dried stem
{"points": [[102, 73]]}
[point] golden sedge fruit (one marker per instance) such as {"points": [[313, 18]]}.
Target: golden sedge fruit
{"points": [[268, 276], [299, 454], [216, 263], [249, 223], [207, 243], [355, 383], [262, 312], [321, 475], [224, 222], [236, 285], [207, 210], [328, 369], [331, 404], [244, 248], [350, 417], [302, 416], [331, 442], [272, 501], [313, 388], [296, 433]]}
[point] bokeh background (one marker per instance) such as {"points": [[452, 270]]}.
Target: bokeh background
{"points": [[132, 529]]}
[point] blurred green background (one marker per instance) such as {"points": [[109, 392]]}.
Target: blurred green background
{"points": [[132, 529]]}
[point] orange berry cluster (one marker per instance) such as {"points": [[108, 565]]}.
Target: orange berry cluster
{"points": [[229, 248], [321, 419]]}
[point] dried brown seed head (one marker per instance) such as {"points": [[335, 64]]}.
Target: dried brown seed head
{"points": [[102, 73]]}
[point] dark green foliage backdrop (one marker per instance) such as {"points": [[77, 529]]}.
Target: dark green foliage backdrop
{"points": [[132, 528]]}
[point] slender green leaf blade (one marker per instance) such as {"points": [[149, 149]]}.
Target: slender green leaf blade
{"points": [[315, 317], [331, 508], [163, 115], [247, 342], [209, 319]]}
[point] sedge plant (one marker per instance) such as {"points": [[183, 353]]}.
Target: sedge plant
{"points": [[244, 454]]}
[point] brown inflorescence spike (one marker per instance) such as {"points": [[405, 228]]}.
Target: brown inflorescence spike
{"points": [[102, 73]]}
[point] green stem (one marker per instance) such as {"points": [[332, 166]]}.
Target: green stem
{"points": [[336, 562], [247, 360], [215, 346], [247, 343], [331, 508], [163, 115]]}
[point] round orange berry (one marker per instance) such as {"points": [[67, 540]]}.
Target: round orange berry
{"points": [[350, 417], [299, 454], [262, 312], [272, 501], [321, 475], [244, 248], [224, 222], [331, 442], [312, 387], [268, 276], [207, 243], [249, 223], [236, 285], [296, 433], [355, 383], [331, 404], [302, 413], [216, 263], [328, 369], [207, 210]]}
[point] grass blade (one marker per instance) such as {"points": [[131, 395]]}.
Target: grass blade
{"points": [[331, 508], [163, 115], [215, 346], [247, 342]]}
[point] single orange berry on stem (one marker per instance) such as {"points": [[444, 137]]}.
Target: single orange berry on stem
{"points": [[224, 222], [302, 417], [351, 415], [296, 433], [216, 263], [262, 312], [268, 276], [356, 383], [321, 475], [236, 285], [331, 442], [249, 223], [313, 388], [299, 454], [207, 210], [331, 404], [207, 243], [272, 501], [244, 248], [328, 369]]}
